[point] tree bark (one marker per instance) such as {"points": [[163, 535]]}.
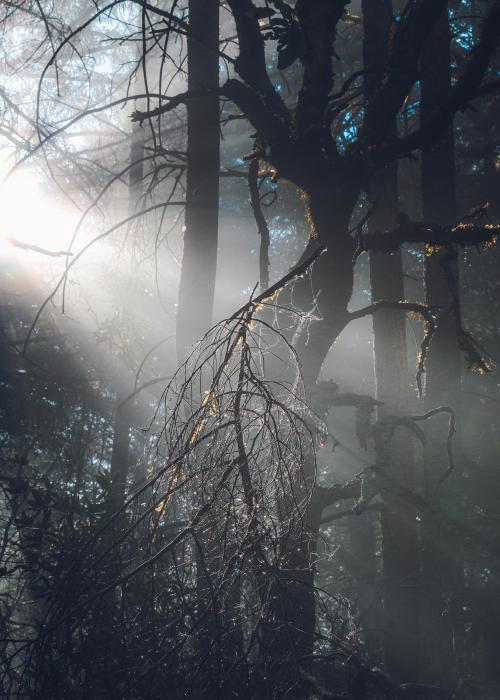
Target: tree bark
{"points": [[288, 637], [120, 457], [199, 262], [399, 529], [199, 265], [440, 573]]}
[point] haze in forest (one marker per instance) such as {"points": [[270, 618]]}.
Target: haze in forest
{"points": [[249, 342]]}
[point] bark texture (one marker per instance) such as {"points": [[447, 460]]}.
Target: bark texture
{"points": [[440, 553], [399, 531], [199, 262]]}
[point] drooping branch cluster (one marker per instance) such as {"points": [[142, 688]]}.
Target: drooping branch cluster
{"points": [[203, 538], [444, 240], [476, 356], [326, 395], [229, 484], [378, 479], [428, 315]]}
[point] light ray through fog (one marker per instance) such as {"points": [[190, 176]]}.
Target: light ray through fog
{"points": [[31, 218]]}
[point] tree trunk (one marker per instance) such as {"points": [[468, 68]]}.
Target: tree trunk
{"points": [[399, 528], [121, 437], [288, 640], [330, 207], [199, 265], [196, 292], [442, 386]]}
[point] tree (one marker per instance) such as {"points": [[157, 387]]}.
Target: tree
{"points": [[439, 570], [120, 456], [199, 263], [399, 527], [240, 460]]}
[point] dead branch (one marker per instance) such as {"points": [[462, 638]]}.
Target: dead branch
{"points": [[37, 249], [423, 310], [260, 219], [430, 235]]}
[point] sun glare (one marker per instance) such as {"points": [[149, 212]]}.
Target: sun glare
{"points": [[30, 217]]}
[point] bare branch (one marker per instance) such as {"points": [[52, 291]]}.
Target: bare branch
{"points": [[423, 310], [318, 20], [260, 219], [402, 67], [172, 102], [467, 88], [431, 235], [251, 62], [270, 293], [268, 126], [37, 249]]}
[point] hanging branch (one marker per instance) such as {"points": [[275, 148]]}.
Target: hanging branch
{"points": [[376, 479], [295, 272], [436, 238], [383, 434], [423, 310], [260, 219], [326, 395], [470, 347]]}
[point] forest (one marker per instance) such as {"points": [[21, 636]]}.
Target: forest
{"points": [[249, 349]]}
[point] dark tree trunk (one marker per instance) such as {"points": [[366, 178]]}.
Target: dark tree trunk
{"points": [[288, 639], [199, 262], [198, 273], [441, 572], [330, 208], [399, 528], [362, 561]]}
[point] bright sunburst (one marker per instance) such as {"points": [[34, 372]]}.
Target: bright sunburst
{"points": [[31, 219]]}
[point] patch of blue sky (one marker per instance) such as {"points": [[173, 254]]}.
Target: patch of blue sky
{"points": [[412, 108], [464, 35], [349, 131], [280, 228], [416, 253], [462, 29], [350, 134]]}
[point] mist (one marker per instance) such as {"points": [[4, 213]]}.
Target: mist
{"points": [[249, 348]]}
